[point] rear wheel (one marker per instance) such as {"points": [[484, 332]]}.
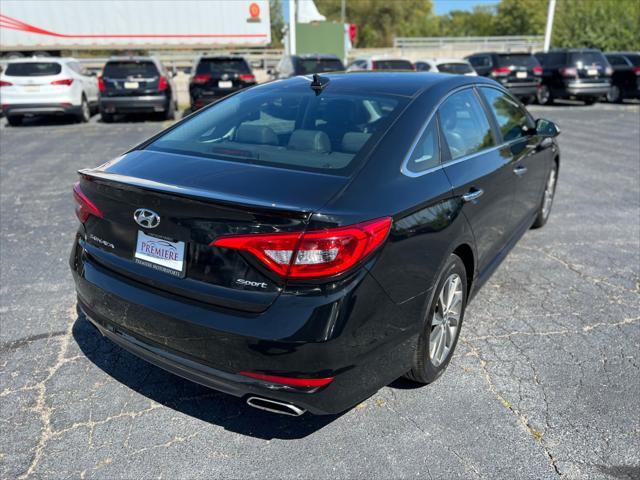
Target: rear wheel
{"points": [[442, 324], [544, 96], [170, 112], [614, 95], [85, 111], [14, 120], [547, 198]]}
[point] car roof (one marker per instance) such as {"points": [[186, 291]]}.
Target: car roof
{"points": [[221, 57], [500, 53], [41, 59], [443, 60], [132, 58]]}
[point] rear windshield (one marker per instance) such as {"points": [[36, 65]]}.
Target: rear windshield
{"points": [[392, 65], [459, 68], [130, 68], [634, 59], [319, 65], [517, 60], [215, 65], [290, 128], [587, 58], [33, 69]]}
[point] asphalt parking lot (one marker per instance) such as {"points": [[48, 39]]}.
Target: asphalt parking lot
{"points": [[545, 381]]}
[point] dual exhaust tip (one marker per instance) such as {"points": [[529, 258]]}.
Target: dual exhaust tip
{"points": [[274, 406]]}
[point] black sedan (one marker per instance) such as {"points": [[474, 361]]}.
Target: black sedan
{"points": [[305, 242]]}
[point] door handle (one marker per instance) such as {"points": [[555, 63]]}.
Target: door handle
{"points": [[472, 195], [520, 170]]}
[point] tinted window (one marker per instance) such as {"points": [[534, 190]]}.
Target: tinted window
{"points": [[292, 128], [458, 68], [480, 61], [634, 59], [517, 60], [392, 65], [464, 124], [509, 115], [617, 60], [33, 69], [426, 153], [319, 65], [422, 67], [130, 68], [553, 58], [217, 65], [587, 58]]}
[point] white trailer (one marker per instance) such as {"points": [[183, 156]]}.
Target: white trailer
{"points": [[50, 26]]}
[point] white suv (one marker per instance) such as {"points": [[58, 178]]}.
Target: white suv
{"points": [[47, 86]]}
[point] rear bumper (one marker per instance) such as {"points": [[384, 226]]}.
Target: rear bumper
{"points": [[578, 89], [41, 109], [349, 335], [145, 103], [522, 89]]}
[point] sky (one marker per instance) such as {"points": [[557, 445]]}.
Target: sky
{"points": [[445, 6]]}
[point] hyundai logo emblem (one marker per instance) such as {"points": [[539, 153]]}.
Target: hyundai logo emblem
{"points": [[146, 218]]}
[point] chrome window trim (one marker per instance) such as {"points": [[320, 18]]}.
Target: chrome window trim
{"points": [[408, 173]]}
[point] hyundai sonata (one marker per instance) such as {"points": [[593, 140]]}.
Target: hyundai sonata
{"points": [[305, 242]]}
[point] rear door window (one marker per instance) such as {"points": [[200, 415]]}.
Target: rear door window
{"points": [[130, 68], [510, 117], [222, 65], [517, 60], [617, 60], [634, 59], [480, 61], [392, 65], [455, 67], [426, 153], [319, 65], [464, 124], [33, 69]]}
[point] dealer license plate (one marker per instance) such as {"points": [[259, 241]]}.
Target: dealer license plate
{"points": [[160, 254]]}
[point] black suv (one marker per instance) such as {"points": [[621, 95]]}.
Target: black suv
{"points": [[136, 85], [218, 76], [582, 74], [519, 72], [625, 79], [292, 65]]}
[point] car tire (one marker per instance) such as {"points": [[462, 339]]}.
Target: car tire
{"points": [[547, 198], [14, 120], [170, 112], [590, 101], [544, 96], [442, 323], [614, 95], [85, 111]]}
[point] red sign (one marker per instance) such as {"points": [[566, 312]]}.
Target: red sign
{"points": [[254, 10]]}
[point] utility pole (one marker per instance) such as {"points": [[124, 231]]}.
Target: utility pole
{"points": [[292, 27], [343, 8], [548, 30]]}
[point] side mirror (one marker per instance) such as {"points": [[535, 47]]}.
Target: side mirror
{"points": [[546, 128]]}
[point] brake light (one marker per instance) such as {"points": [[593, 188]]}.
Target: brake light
{"points": [[291, 381], [5, 84], [314, 254], [636, 70], [85, 206], [537, 70], [247, 77], [101, 85], [501, 71], [200, 79], [569, 72], [162, 84], [64, 81]]}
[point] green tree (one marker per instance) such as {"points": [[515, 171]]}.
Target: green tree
{"points": [[521, 17], [460, 23], [277, 23]]}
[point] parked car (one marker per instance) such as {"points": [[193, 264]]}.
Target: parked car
{"points": [[136, 85], [379, 63], [302, 244], [573, 73], [217, 76], [519, 72], [292, 65], [625, 78], [445, 65], [47, 86]]}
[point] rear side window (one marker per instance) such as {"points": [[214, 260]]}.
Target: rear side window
{"points": [[423, 67], [454, 67], [33, 69], [549, 59], [426, 153], [587, 58], [511, 118], [130, 68], [292, 128], [392, 65], [517, 60], [318, 65], [617, 60], [221, 65], [634, 59], [464, 124], [480, 61]]}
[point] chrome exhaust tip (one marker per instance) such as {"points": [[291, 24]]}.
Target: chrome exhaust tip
{"points": [[274, 406]]}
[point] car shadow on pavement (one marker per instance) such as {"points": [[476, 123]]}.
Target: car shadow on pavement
{"points": [[188, 397]]}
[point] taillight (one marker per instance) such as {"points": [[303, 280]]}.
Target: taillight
{"points": [[636, 70], [501, 71], [64, 81], [5, 84], [101, 85], [290, 381], [314, 254], [200, 79], [247, 77], [85, 206], [162, 84], [537, 70], [569, 72]]}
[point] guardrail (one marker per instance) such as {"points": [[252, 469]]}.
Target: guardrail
{"points": [[501, 43]]}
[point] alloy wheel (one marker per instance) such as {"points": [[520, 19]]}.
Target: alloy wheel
{"points": [[549, 190], [446, 320]]}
